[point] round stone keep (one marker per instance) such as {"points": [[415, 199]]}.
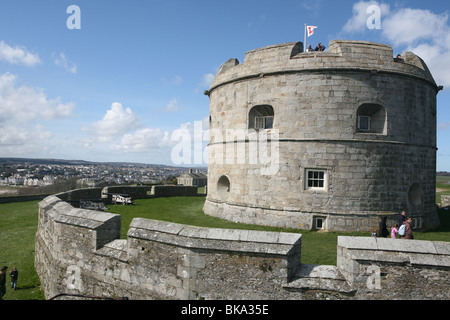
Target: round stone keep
{"points": [[329, 140]]}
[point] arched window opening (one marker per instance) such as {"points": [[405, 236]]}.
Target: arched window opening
{"points": [[261, 117], [223, 187], [371, 118]]}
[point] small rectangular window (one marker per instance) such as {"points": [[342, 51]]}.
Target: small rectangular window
{"points": [[315, 179], [364, 123], [319, 223], [417, 223]]}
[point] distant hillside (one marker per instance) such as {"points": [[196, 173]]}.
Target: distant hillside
{"points": [[79, 162]]}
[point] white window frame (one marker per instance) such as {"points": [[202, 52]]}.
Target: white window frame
{"points": [[322, 220], [316, 178], [417, 223], [261, 122]]}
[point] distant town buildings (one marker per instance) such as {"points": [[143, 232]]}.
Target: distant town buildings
{"points": [[191, 178], [33, 173]]}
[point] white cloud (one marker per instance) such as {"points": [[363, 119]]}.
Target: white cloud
{"points": [[312, 5], [116, 122], [207, 79], [61, 61], [23, 104], [188, 143], [21, 110], [406, 26], [176, 81], [142, 140], [17, 55], [358, 22], [422, 32], [172, 105]]}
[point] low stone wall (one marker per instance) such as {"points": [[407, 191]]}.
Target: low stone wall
{"points": [[172, 191], [382, 268], [79, 252], [23, 198], [77, 194], [136, 192]]}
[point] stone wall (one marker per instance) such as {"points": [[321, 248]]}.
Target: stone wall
{"points": [[79, 252], [381, 268], [170, 191]]}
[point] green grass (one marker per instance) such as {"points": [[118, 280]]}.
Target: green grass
{"points": [[317, 247], [18, 225]]}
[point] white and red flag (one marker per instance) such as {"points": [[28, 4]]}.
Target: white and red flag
{"points": [[310, 30]]}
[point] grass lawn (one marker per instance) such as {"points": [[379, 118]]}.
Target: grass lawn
{"points": [[317, 247], [18, 225]]}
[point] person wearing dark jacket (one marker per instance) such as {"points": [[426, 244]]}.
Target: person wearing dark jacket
{"points": [[382, 230], [14, 274], [3, 282]]}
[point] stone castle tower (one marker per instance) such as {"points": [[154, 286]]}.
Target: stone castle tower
{"points": [[325, 140]]}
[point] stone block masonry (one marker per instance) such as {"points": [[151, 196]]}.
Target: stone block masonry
{"points": [[355, 137], [79, 252]]}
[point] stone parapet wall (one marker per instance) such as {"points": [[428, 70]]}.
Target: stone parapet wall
{"points": [[79, 252], [341, 54], [381, 268]]}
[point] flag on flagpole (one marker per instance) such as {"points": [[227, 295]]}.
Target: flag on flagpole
{"points": [[310, 30]]}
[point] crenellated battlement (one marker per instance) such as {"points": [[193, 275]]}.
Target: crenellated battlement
{"points": [[341, 55]]}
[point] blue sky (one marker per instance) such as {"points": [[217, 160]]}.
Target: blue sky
{"points": [[134, 73]]}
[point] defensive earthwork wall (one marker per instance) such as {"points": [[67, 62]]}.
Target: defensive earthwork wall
{"points": [[79, 251]]}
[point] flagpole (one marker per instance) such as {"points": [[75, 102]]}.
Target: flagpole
{"points": [[304, 43]]}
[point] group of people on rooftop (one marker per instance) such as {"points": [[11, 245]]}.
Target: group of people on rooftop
{"points": [[319, 47]]}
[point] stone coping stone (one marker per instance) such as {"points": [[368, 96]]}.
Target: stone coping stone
{"points": [[63, 212], [215, 238], [397, 245], [419, 252], [116, 249]]}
